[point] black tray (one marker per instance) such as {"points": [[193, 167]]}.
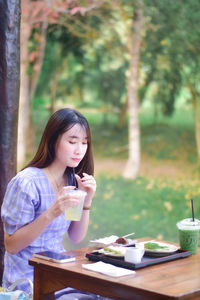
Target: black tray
{"points": [[146, 260]]}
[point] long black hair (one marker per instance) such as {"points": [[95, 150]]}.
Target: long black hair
{"points": [[61, 121]]}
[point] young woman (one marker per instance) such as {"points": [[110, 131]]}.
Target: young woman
{"points": [[36, 199]]}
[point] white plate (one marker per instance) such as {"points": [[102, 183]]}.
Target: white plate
{"points": [[112, 251], [169, 248], [103, 242]]}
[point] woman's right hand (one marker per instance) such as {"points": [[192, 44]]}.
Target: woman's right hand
{"points": [[63, 201]]}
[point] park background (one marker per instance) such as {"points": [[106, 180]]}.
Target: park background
{"points": [[132, 68]]}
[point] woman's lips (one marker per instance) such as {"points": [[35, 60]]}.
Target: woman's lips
{"points": [[76, 159]]}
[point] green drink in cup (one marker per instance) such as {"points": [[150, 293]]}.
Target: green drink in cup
{"points": [[74, 213], [189, 234]]}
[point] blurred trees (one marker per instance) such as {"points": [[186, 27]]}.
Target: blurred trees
{"points": [[170, 55], [188, 57], [102, 66], [36, 17], [61, 43], [88, 58], [158, 55], [94, 70]]}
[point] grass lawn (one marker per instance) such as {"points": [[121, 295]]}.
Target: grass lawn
{"points": [[146, 207]]}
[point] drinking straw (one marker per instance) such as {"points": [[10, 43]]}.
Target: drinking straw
{"points": [[192, 210], [74, 178]]}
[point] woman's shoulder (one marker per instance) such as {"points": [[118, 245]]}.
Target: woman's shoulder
{"points": [[31, 172], [28, 176]]}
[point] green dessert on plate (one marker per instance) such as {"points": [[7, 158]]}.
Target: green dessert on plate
{"points": [[154, 246]]}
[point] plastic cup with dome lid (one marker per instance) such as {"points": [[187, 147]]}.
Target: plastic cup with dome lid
{"points": [[189, 234]]}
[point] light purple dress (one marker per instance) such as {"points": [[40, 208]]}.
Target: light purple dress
{"points": [[28, 195]]}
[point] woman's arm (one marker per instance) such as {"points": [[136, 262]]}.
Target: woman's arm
{"points": [[25, 235]]}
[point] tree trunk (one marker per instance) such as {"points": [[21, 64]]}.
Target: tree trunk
{"points": [[24, 102], [196, 116], [133, 163], [26, 135], [9, 95]]}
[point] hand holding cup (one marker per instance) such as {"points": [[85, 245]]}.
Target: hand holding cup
{"points": [[74, 212]]}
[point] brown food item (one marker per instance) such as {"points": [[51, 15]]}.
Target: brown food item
{"points": [[121, 240]]}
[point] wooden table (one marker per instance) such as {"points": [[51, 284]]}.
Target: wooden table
{"points": [[179, 279]]}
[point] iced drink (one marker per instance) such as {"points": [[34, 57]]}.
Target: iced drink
{"points": [[189, 234], [74, 213]]}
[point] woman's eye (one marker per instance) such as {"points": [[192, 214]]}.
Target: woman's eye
{"points": [[74, 142]]}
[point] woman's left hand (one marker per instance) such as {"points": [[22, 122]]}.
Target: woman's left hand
{"points": [[88, 184]]}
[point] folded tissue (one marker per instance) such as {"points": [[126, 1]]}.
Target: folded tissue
{"points": [[108, 269]]}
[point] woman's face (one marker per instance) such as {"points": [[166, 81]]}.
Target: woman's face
{"points": [[71, 146]]}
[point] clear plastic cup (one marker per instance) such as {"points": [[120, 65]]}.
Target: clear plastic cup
{"points": [[189, 234], [74, 213]]}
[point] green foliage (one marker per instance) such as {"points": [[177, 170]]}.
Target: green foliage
{"points": [[89, 69], [109, 85], [170, 55], [89, 55], [60, 44]]}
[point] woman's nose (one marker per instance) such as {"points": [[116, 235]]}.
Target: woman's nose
{"points": [[79, 148]]}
